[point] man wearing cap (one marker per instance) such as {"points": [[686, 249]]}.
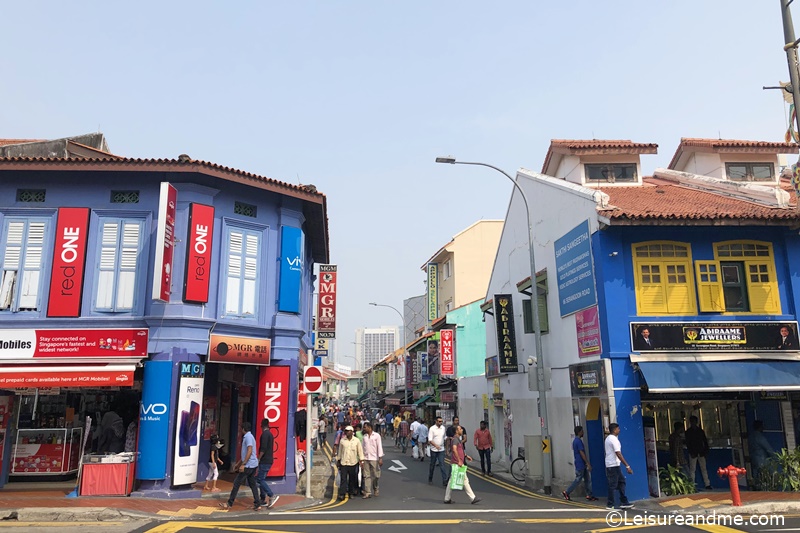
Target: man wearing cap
{"points": [[349, 457]]}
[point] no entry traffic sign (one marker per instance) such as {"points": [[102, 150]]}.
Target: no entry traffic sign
{"points": [[312, 379]]}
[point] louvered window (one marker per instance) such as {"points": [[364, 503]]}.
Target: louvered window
{"points": [[243, 255], [118, 264], [23, 254]]}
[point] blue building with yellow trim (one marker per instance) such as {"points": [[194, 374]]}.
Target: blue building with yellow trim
{"points": [[689, 307]]}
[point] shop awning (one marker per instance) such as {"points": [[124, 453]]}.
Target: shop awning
{"points": [[423, 400], [720, 376], [98, 375], [363, 395]]}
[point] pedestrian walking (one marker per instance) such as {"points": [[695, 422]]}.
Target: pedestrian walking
{"points": [[213, 463], [246, 470], [265, 459], [396, 426], [697, 444], [614, 475], [582, 467], [460, 457], [451, 433], [349, 458], [421, 436], [402, 432], [322, 430], [436, 439], [389, 424], [373, 461], [485, 446]]}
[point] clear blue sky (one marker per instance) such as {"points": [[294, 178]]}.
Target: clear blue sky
{"points": [[358, 98]]}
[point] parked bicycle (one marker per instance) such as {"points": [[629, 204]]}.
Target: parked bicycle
{"points": [[519, 466]]}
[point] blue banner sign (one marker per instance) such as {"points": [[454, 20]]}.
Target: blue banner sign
{"points": [[291, 271], [575, 270], [154, 417]]}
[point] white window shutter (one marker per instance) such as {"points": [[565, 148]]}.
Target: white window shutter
{"points": [[128, 261], [7, 288], [31, 275], [250, 275], [234, 276], [108, 265]]}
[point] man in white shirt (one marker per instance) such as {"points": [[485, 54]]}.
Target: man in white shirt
{"points": [[614, 475], [412, 431], [373, 460], [436, 440], [421, 436]]}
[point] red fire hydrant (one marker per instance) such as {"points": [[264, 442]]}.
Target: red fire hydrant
{"points": [[733, 472]]}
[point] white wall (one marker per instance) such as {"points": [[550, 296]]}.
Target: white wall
{"points": [[556, 208]]}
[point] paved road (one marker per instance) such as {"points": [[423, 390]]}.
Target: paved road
{"points": [[407, 502]]}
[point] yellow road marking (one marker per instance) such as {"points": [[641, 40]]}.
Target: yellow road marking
{"points": [[57, 524], [608, 529], [559, 520], [715, 528]]}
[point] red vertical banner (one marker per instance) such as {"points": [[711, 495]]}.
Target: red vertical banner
{"points": [[447, 352], [69, 262], [165, 240], [198, 253], [326, 307], [273, 404]]}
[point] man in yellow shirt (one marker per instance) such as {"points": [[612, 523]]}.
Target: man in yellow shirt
{"points": [[349, 457], [396, 424]]}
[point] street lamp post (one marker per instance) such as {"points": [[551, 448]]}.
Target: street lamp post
{"points": [[403, 341], [547, 467]]}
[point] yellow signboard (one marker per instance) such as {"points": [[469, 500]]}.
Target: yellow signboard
{"points": [[545, 445], [433, 291]]}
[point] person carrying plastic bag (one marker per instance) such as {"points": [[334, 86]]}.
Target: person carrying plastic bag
{"points": [[459, 478]]}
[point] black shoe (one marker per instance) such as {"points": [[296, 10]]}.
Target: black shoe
{"points": [[476, 500], [591, 498], [709, 487], [626, 506], [565, 495], [448, 501]]}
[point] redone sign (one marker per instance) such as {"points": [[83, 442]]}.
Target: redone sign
{"points": [[273, 404], [69, 261], [198, 253]]}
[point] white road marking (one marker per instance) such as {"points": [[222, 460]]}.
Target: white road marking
{"points": [[444, 511], [398, 466]]}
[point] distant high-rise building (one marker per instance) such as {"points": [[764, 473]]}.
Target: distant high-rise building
{"points": [[373, 344]]}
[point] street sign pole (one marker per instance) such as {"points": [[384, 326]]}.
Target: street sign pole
{"points": [[309, 421]]}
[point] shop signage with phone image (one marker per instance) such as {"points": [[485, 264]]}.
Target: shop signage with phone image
{"points": [[68, 345], [714, 336], [506, 333], [291, 271], [187, 425]]}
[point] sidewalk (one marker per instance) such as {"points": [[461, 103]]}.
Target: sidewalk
{"points": [[719, 502], [28, 503]]}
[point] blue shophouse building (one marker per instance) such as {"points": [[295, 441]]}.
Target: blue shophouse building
{"points": [[175, 293]]}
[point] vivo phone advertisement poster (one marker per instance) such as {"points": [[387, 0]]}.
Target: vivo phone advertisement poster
{"points": [[187, 424], [154, 417]]}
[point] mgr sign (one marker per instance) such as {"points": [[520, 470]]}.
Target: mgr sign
{"points": [[312, 379]]}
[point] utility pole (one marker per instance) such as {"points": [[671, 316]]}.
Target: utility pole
{"points": [[790, 47]]}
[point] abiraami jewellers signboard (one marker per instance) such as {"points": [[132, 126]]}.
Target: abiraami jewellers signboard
{"points": [[62, 345]]}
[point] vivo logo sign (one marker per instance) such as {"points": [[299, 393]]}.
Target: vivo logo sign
{"points": [[154, 409], [295, 264]]}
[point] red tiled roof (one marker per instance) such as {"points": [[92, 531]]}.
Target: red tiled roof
{"points": [[596, 147], [6, 142], [659, 199], [186, 165], [731, 146]]}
